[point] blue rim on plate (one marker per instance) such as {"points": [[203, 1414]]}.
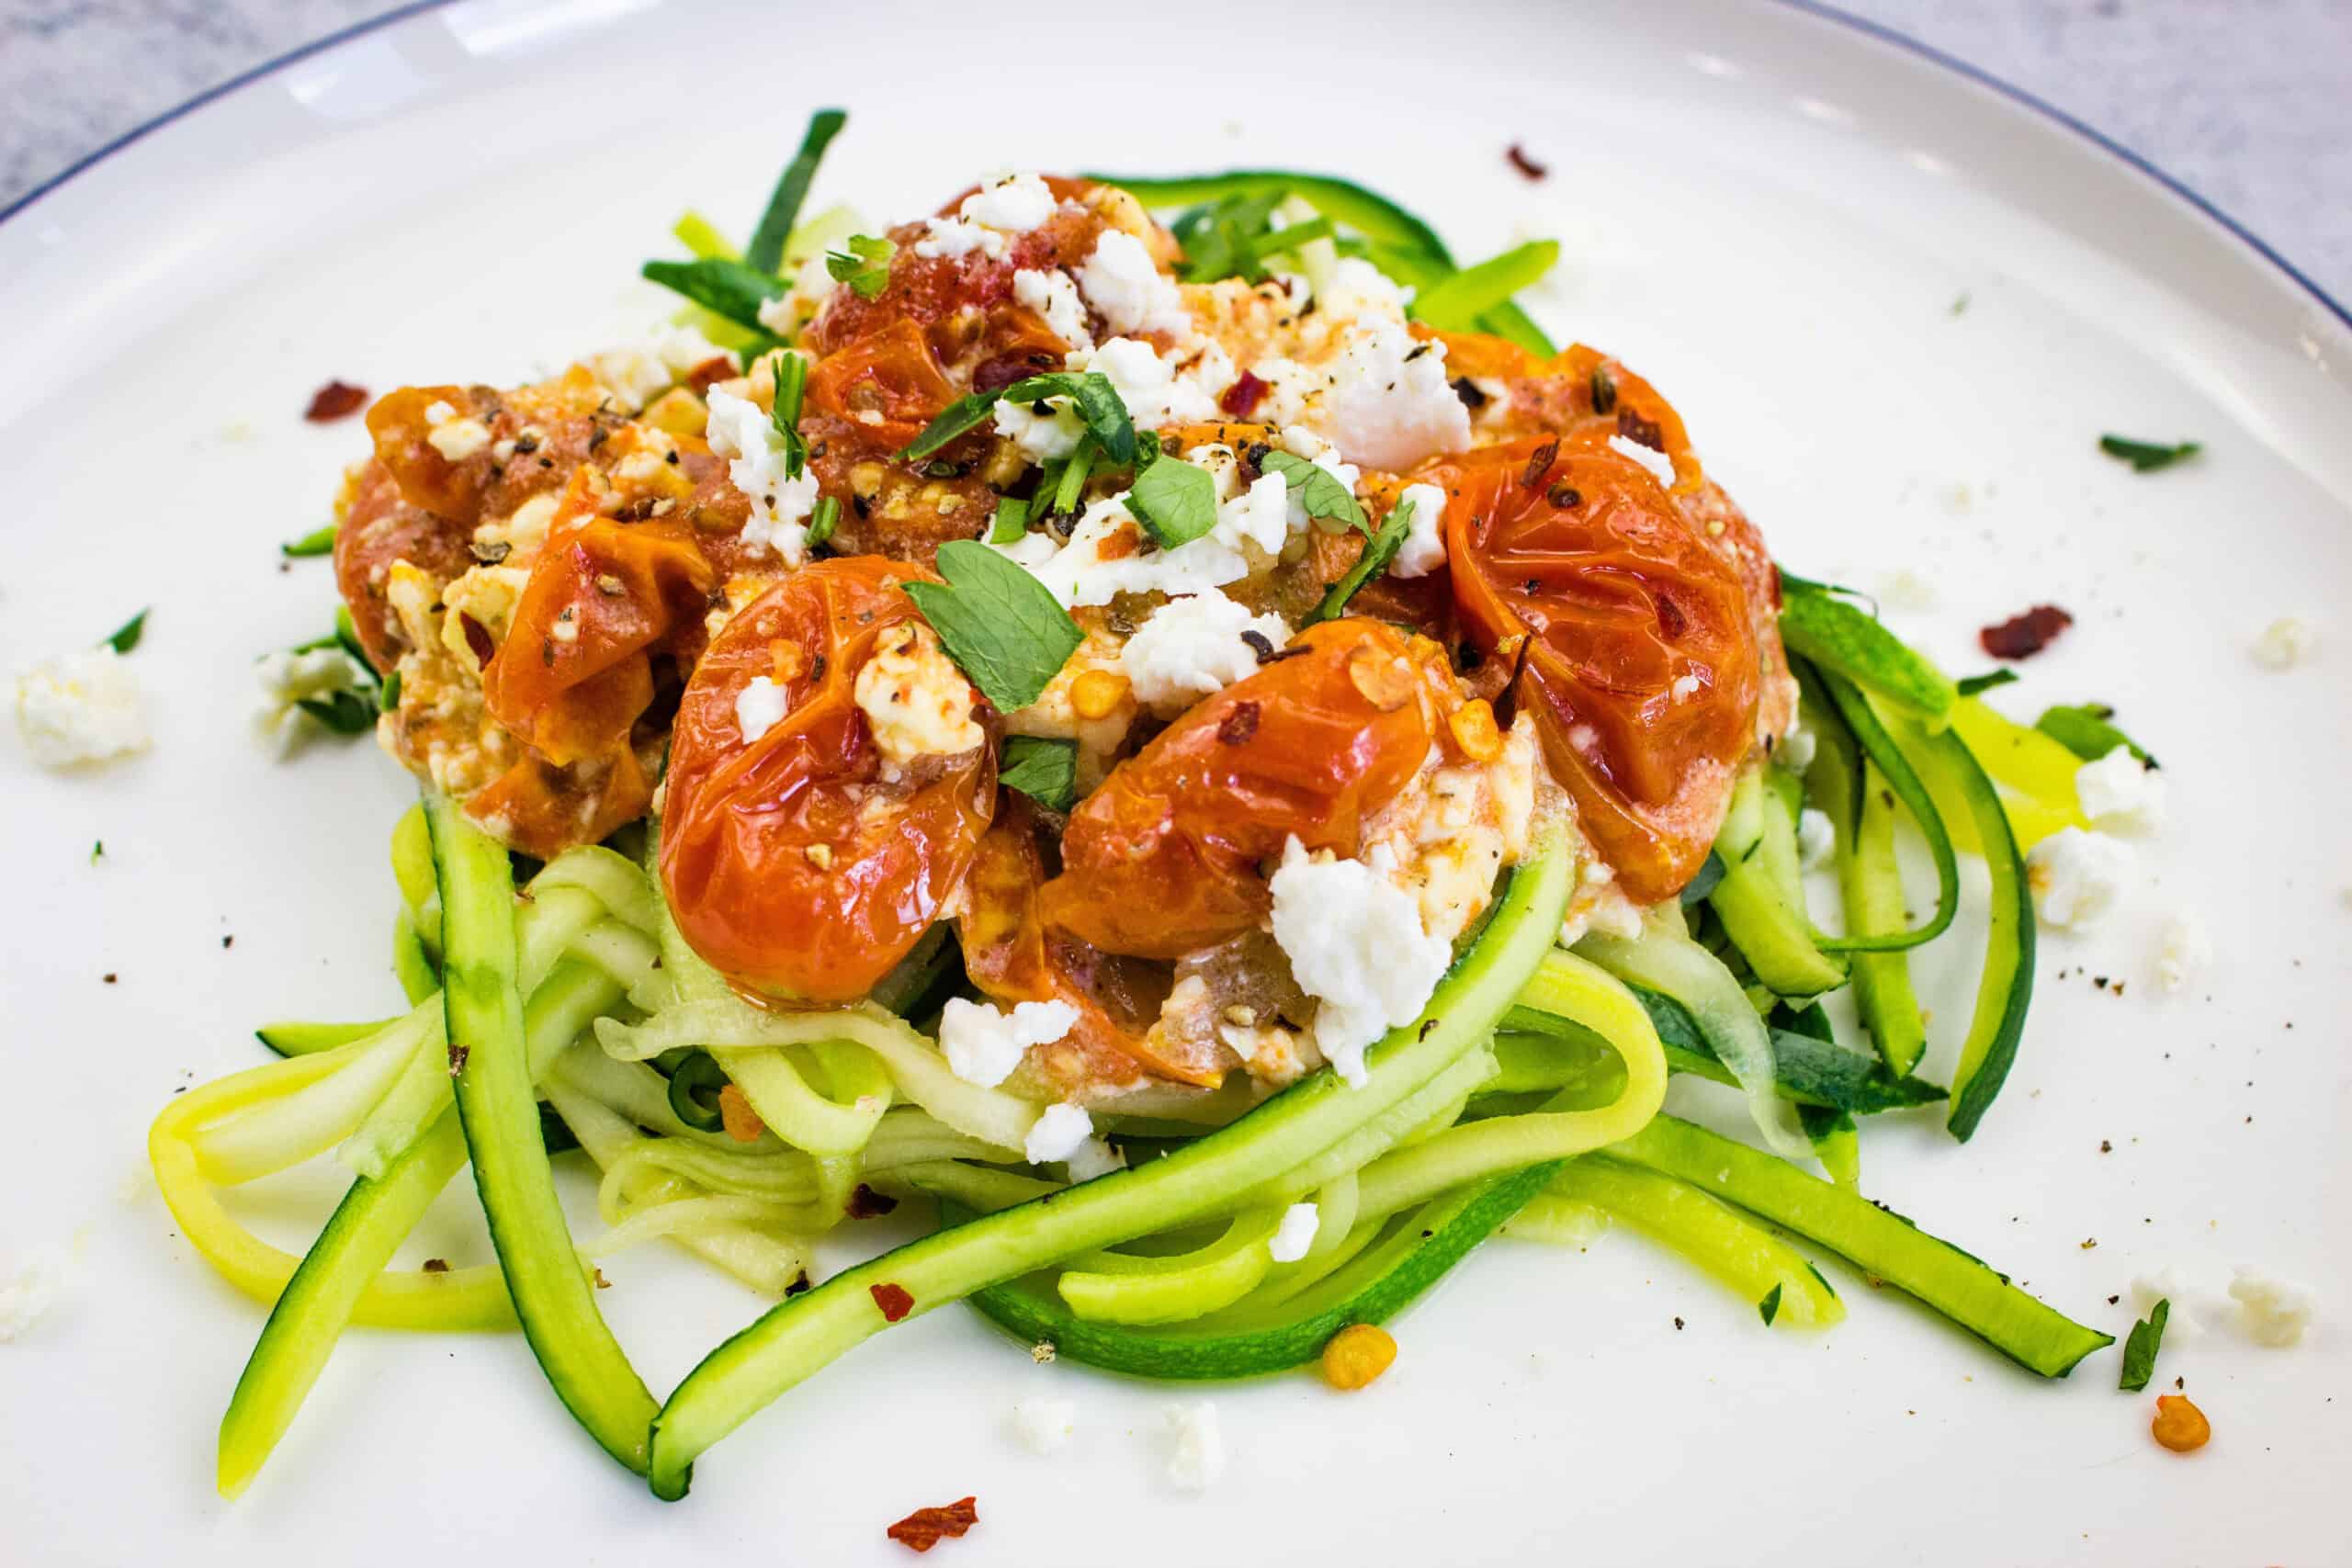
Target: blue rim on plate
{"points": [[1814, 9]]}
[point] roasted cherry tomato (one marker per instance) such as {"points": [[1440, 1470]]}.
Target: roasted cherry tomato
{"points": [[1643, 670], [1012, 957], [791, 862], [1165, 858], [1576, 389]]}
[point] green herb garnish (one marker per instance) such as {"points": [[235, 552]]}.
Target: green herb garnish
{"points": [[1011, 520], [346, 712], [2140, 1349], [2088, 731], [864, 266], [2147, 457], [1279, 241], [1090, 393], [1319, 490], [1972, 686], [1770, 1307], [998, 622], [1220, 238], [1069, 485], [126, 635], [724, 288], [767, 250], [791, 384], [1044, 771], [317, 542], [388, 695], [1175, 501], [98, 851], [1377, 553], [822, 522]]}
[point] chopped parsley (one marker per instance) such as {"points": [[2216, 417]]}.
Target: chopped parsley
{"points": [[2147, 457], [1011, 520], [318, 542], [1090, 393], [2141, 1347], [865, 266], [1378, 551], [1222, 239], [1046, 771], [767, 250], [1770, 1307], [998, 622], [1972, 686], [126, 635], [1319, 490], [724, 288], [98, 851], [2088, 731], [344, 711], [822, 522], [791, 384], [1175, 500]]}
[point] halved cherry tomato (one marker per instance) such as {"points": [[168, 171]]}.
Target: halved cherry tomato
{"points": [[1642, 670], [791, 863], [1012, 957], [1165, 858], [1578, 387]]}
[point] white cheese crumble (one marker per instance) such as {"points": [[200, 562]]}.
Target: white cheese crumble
{"points": [[1055, 298], [1355, 943], [1660, 466], [955, 238], [27, 1295], [1423, 550], [458, 439], [2120, 793], [1015, 204], [1815, 838], [2271, 1312], [1198, 1457], [914, 699], [286, 679], [2193, 1312], [2285, 643], [80, 707], [1131, 294], [2183, 952], [638, 373], [983, 1045], [1192, 647], [1044, 1424], [2075, 877], [1797, 749], [740, 430], [1295, 1233], [1388, 402], [760, 707], [1155, 394], [1357, 288], [1081, 572], [1094, 1158], [1060, 1131], [1043, 439]]}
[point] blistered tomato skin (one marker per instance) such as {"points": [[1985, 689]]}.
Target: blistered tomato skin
{"points": [[1642, 673], [1165, 858], [792, 865]]}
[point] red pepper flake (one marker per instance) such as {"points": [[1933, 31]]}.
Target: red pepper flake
{"points": [[864, 1203], [1241, 400], [895, 1303], [1240, 725], [2026, 634], [922, 1530], [1525, 164], [436, 1265], [1639, 431], [336, 399], [458, 1054], [1539, 463]]}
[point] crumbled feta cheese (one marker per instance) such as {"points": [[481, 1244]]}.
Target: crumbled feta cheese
{"points": [[2183, 952], [1198, 1454], [1357, 288], [1061, 1129], [80, 707], [1355, 943], [1080, 572], [2285, 643], [740, 430], [1055, 298], [1295, 1233], [983, 1045], [2271, 1312], [2075, 877], [1155, 394], [914, 699], [1131, 293], [458, 439], [439, 411], [2193, 1312], [1660, 466], [1797, 749], [1094, 1158], [955, 238], [1300, 442], [1192, 647], [1016, 204], [2119, 792], [1387, 402], [28, 1294], [1815, 838], [287, 679], [1043, 439], [1044, 1424], [1423, 550], [1260, 515], [760, 707]]}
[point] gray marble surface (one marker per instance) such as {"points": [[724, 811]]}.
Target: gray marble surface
{"points": [[2249, 101]]}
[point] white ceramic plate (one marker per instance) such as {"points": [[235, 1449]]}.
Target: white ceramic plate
{"points": [[1769, 213]]}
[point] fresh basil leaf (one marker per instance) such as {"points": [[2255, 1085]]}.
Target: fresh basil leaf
{"points": [[767, 250], [1317, 489], [724, 288], [1044, 771], [2140, 1348], [1220, 238], [998, 622], [126, 636], [1973, 685], [317, 542], [2147, 457], [1011, 520], [2088, 731], [1377, 553], [1770, 1307], [822, 521], [1175, 501], [864, 266], [1090, 393], [791, 385]]}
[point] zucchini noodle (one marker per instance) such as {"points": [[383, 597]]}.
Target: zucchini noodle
{"points": [[1121, 1287], [311, 1120], [1735, 1250]]}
